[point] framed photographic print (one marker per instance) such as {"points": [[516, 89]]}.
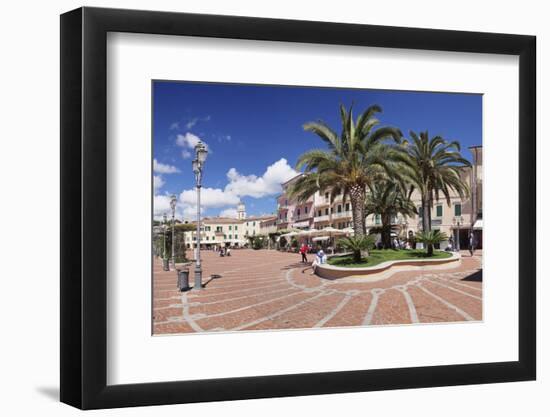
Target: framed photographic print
{"points": [[257, 208]]}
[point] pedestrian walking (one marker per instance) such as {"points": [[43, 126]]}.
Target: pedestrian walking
{"points": [[303, 252], [472, 243]]}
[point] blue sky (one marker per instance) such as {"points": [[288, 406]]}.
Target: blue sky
{"points": [[254, 135]]}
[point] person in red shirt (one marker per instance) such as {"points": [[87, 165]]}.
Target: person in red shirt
{"points": [[303, 251]]}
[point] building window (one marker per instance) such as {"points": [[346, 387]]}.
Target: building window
{"points": [[219, 229], [254, 224], [298, 212], [439, 210], [207, 228], [229, 227], [377, 219], [235, 227], [319, 213], [458, 209], [229, 236], [339, 208], [420, 212], [326, 212], [326, 196], [347, 206], [236, 236], [224, 237], [286, 202], [305, 209]]}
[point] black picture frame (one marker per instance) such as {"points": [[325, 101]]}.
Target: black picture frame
{"points": [[84, 207]]}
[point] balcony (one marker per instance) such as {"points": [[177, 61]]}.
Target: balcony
{"points": [[324, 218], [341, 215]]}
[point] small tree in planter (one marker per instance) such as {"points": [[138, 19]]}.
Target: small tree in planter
{"points": [[358, 245], [257, 242], [430, 239]]}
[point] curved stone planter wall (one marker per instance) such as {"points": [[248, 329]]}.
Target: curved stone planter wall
{"points": [[334, 272]]}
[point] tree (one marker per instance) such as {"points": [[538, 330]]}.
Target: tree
{"points": [[433, 167], [358, 245], [180, 230], [388, 199], [431, 238], [355, 159]]}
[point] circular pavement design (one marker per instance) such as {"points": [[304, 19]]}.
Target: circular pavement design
{"points": [[267, 289]]}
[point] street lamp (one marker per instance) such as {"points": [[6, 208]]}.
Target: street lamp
{"points": [[164, 260], [457, 222], [173, 202], [198, 164]]}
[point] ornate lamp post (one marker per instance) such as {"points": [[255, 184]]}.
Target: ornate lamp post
{"points": [[198, 164], [457, 222], [164, 260], [173, 202]]}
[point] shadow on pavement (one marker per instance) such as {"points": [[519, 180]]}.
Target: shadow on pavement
{"points": [[476, 276]]}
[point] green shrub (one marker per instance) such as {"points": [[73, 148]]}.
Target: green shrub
{"points": [[357, 245], [431, 238]]}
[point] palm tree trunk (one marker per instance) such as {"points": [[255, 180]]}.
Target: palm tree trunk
{"points": [[357, 197], [386, 231], [426, 226]]}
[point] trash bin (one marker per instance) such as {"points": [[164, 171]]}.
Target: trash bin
{"points": [[183, 279]]}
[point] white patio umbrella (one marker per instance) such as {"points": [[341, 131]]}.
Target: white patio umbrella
{"points": [[310, 232], [348, 230], [290, 234], [332, 231]]}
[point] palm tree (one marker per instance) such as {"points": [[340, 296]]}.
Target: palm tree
{"points": [[358, 245], [387, 199], [433, 166], [431, 238], [353, 161]]}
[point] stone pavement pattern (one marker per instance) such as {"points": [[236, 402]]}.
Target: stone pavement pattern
{"points": [[261, 290]]}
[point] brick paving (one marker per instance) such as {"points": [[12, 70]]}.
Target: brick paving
{"points": [[261, 290]]}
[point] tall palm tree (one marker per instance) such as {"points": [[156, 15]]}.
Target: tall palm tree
{"points": [[388, 199], [433, 166], [354, 160]]}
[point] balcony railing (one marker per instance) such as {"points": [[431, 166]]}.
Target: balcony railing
{"points": [[341, 214], [324, 218]]}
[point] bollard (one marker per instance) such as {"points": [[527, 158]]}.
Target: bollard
{"points": [[183, 279]]}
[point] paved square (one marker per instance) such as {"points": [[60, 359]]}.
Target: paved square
{"points": [[266, 289]]}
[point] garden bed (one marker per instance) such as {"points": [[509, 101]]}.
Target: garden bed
{"points": [[382, 260]]}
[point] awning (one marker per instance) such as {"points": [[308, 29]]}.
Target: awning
{"points": [[478, 225]]}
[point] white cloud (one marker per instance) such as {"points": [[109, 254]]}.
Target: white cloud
{"points": [[268, 184], [191, 122], [185, 154], [229, 212], [161, 205], [210, 197], [238, 186], [158, 182], [160, 168], [190, 140], [175, 126]]}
